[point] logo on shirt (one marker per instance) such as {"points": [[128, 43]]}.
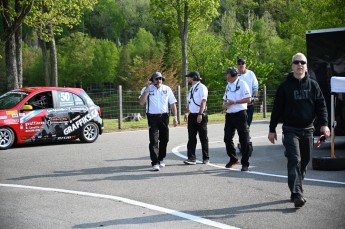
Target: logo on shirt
{"points": [[301, 94]]}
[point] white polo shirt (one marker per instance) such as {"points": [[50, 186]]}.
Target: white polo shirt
{"points": [[236, 91], [197, 93], [250, 78], [159, 99]]}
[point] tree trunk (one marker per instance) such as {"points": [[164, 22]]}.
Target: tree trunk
{"points": [[53, 60], [13, 37], [45, 61], [184, 36], [19, 55], [183, 29], [11, 63]]}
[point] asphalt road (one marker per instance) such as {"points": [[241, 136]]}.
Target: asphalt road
{"points": [[109, 184]]}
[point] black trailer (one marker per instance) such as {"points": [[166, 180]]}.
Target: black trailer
{"points": [[326, 59]]}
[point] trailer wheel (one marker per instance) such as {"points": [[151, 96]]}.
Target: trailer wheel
{"points": [[328, 163]]}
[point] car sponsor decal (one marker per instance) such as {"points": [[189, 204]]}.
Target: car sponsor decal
{"points": [[11, 121], [29, 116], [33, 126], [66, 137], [52, 110], [74, 109], [56, 120], [80, 122], [12, 112]]}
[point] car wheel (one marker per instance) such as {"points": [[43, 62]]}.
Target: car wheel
{"points": [[89, 132], [328, 163], [7, 138]]}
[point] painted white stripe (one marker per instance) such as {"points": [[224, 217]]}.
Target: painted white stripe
{"points": [[175, 150], [128, 201]]}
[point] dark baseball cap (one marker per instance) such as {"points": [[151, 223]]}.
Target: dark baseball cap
{"points": [[231, 70], [194, 74], [241, 61]]}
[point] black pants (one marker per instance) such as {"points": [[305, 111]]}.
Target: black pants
{"points": [[159, 137], [298, 144], [193, 128], [237, 121], [250, 112]]}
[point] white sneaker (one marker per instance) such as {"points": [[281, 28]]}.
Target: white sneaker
{"points": [[155, 168], [162, 164]]}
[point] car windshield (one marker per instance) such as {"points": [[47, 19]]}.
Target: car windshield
{"points": [[11, 98]]}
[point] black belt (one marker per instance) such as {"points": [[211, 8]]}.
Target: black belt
{"points": [[238, 112], [156, 115]]}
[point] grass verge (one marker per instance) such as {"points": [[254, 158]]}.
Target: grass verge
{"points": [[111, 125]]}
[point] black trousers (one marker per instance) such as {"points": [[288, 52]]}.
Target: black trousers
{"points": [[159, 137], [298, 143], [237, 121], [193, 129]]}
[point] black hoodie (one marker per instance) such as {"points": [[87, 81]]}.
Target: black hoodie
{"points": [[297, 103]]}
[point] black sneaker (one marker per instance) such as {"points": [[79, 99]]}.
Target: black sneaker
{"points": [[244, 168], [189, 162], [299, 201], [232, 164]]}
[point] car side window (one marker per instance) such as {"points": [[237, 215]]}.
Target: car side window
{"points": [[42, 100], [77, 100], [67, 99]]}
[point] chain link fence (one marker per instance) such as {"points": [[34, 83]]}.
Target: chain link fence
{"points": [[124, 105]]}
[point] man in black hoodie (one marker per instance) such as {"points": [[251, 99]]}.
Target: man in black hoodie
{"points": [[297, 103]]}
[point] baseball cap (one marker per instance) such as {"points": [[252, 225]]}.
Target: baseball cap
{"points": [[241, 61], [194, 75], [233, 71]]}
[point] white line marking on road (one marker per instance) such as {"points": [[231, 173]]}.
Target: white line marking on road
{"points": [[175, 151], [128, 201]]}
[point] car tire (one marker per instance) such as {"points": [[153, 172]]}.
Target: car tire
{"points": [[7, 138], [89, 132], [328, 163]]}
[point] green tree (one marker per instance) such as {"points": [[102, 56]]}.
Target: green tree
{"points": [[32, 66], [13, 14], [48, 19], [145, 46], [142, 48], [136, 15], [85, 60], [205, 49], [106, 58], [184, 15], [243, 46], [76, 54], [106, 21]]}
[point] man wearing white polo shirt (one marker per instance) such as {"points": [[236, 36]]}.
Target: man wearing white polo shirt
{"points": [[196, 117], [158, 97], [235, 100]]}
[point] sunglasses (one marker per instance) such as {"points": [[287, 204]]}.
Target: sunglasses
{"points": [[299, 62], [159, 78], [241, 63]]}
